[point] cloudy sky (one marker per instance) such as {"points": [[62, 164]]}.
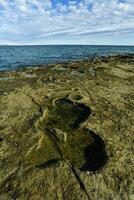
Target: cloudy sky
{"points": [[67, 22]]}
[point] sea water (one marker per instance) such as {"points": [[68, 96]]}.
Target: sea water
{"points": [[16, 57]]}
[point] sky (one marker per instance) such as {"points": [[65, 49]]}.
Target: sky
{"points": [[46, 22]]}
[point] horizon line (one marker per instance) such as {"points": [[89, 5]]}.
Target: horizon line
{"points": [[123, 45]]}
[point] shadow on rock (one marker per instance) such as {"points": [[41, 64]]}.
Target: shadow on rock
{"points": [[48, 163], [95, 154]]}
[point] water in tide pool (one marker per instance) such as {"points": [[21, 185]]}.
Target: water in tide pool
{"points": [[16, 57]]}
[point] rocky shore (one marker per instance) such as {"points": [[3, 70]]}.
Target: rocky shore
{"points": [[66, 131]]}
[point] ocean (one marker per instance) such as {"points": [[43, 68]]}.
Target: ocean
{"points": [[17, 57]]}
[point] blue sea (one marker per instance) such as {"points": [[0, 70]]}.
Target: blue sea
{"points": [[16, 57]]}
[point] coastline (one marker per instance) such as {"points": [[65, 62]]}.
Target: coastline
{"points": [[28, 100]]}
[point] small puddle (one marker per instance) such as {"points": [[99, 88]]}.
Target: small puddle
{"points": [[95, 154], [30, 75], [5, 78], [66, 114], [49, 82], [75, 97], [77, 73]]}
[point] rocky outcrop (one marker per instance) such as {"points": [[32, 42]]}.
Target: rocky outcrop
{"points": [[66, 131]]}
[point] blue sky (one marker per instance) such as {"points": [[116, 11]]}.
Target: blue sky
{"points": [[67, 22]]}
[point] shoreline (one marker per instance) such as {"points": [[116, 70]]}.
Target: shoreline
{"points": [[91, 58]]}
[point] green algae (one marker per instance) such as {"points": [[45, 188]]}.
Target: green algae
{"points": [[59, 128], [65, 115], [44, 151]]}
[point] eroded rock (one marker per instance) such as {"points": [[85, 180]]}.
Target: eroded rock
{"points": [[53, 147]]}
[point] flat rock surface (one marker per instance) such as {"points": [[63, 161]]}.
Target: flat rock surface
{"points": [[66, 131]]}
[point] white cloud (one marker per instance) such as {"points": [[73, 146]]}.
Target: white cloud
{"points": [[41, 21], [4, 4]]}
